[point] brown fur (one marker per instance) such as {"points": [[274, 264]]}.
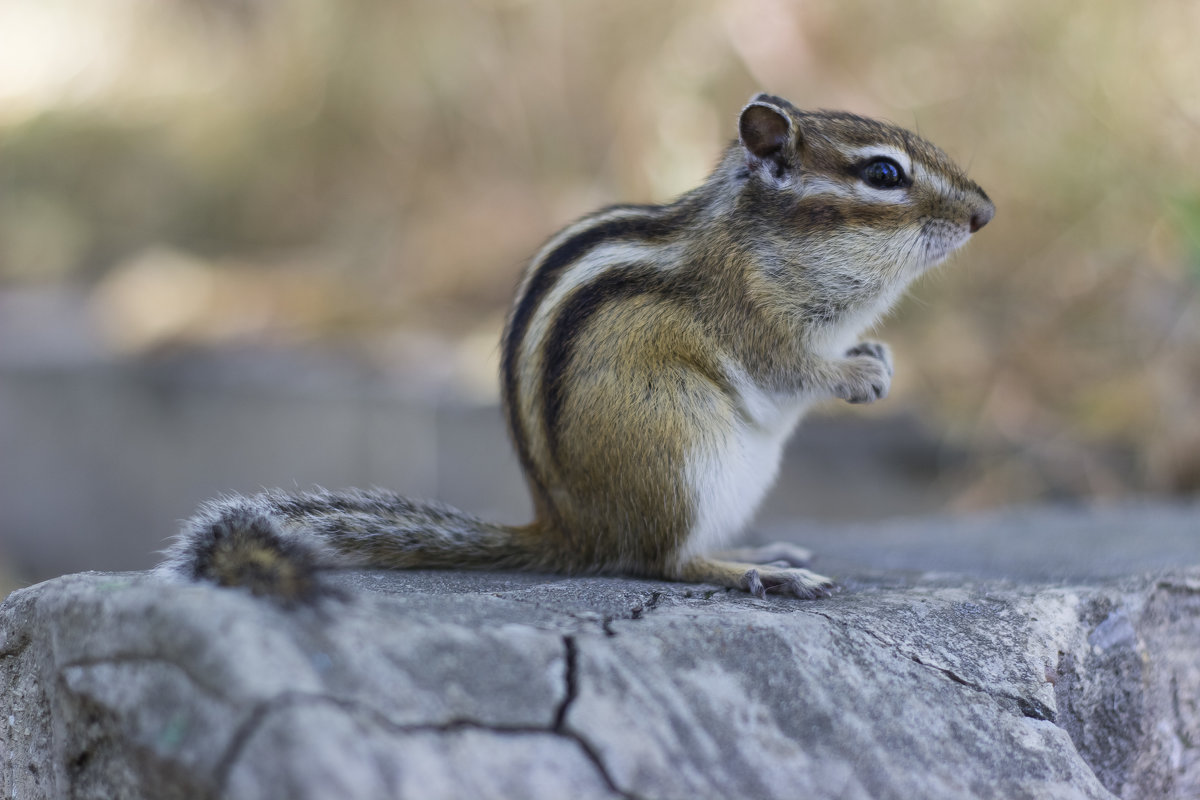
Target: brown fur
{"points": [[656, 358]]}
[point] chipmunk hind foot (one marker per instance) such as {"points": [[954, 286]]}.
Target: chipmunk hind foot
{"points": [[757, 579]]}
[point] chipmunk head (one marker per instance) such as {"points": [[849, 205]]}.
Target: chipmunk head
{"points": [[861, 195]]}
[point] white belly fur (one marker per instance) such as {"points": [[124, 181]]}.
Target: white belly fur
{"points": [[729, 477]]}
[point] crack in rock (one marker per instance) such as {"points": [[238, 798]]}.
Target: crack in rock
{"points": [[1026, 706], [571, 679], [262, 712]]}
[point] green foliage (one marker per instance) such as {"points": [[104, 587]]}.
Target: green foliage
{"points": [[1185, 213]]}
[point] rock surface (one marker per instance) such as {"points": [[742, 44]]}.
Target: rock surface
{"points": [[923, 678]]}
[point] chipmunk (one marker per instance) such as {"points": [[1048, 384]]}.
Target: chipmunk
{"points": [[655, 360]]}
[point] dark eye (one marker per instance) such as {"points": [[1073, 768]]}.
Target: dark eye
{"points": [[883, 173]]}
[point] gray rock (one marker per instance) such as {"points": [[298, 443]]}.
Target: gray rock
{"points": [[909, 683]]}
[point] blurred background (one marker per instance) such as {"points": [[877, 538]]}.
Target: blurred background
{"points": [[247, 244]]}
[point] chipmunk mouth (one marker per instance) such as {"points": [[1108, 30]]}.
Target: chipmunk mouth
{"points": [[941, 238]]}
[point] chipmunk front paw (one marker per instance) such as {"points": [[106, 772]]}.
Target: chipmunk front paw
{"points": [[867, 373]]}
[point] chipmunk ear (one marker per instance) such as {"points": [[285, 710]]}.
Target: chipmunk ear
{"points": [[766, 132]]}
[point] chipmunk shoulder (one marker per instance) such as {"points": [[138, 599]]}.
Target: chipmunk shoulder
{"points": [[655, 360]]}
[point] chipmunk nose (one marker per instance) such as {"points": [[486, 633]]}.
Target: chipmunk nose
{"points": [[982, 216]]}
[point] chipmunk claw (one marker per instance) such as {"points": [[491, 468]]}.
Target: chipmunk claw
{"points": [[797, 582], [754, 584]]}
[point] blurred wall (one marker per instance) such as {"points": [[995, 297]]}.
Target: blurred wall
{"points": [[199, 180]]}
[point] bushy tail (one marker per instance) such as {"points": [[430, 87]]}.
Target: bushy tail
{"points": [[276, 544]]}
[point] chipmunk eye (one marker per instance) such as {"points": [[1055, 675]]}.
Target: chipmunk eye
{"points": [[883, 173]]}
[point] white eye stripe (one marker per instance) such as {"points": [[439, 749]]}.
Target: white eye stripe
{"points": [[858, 191], [889, 197], [821, 186]]}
